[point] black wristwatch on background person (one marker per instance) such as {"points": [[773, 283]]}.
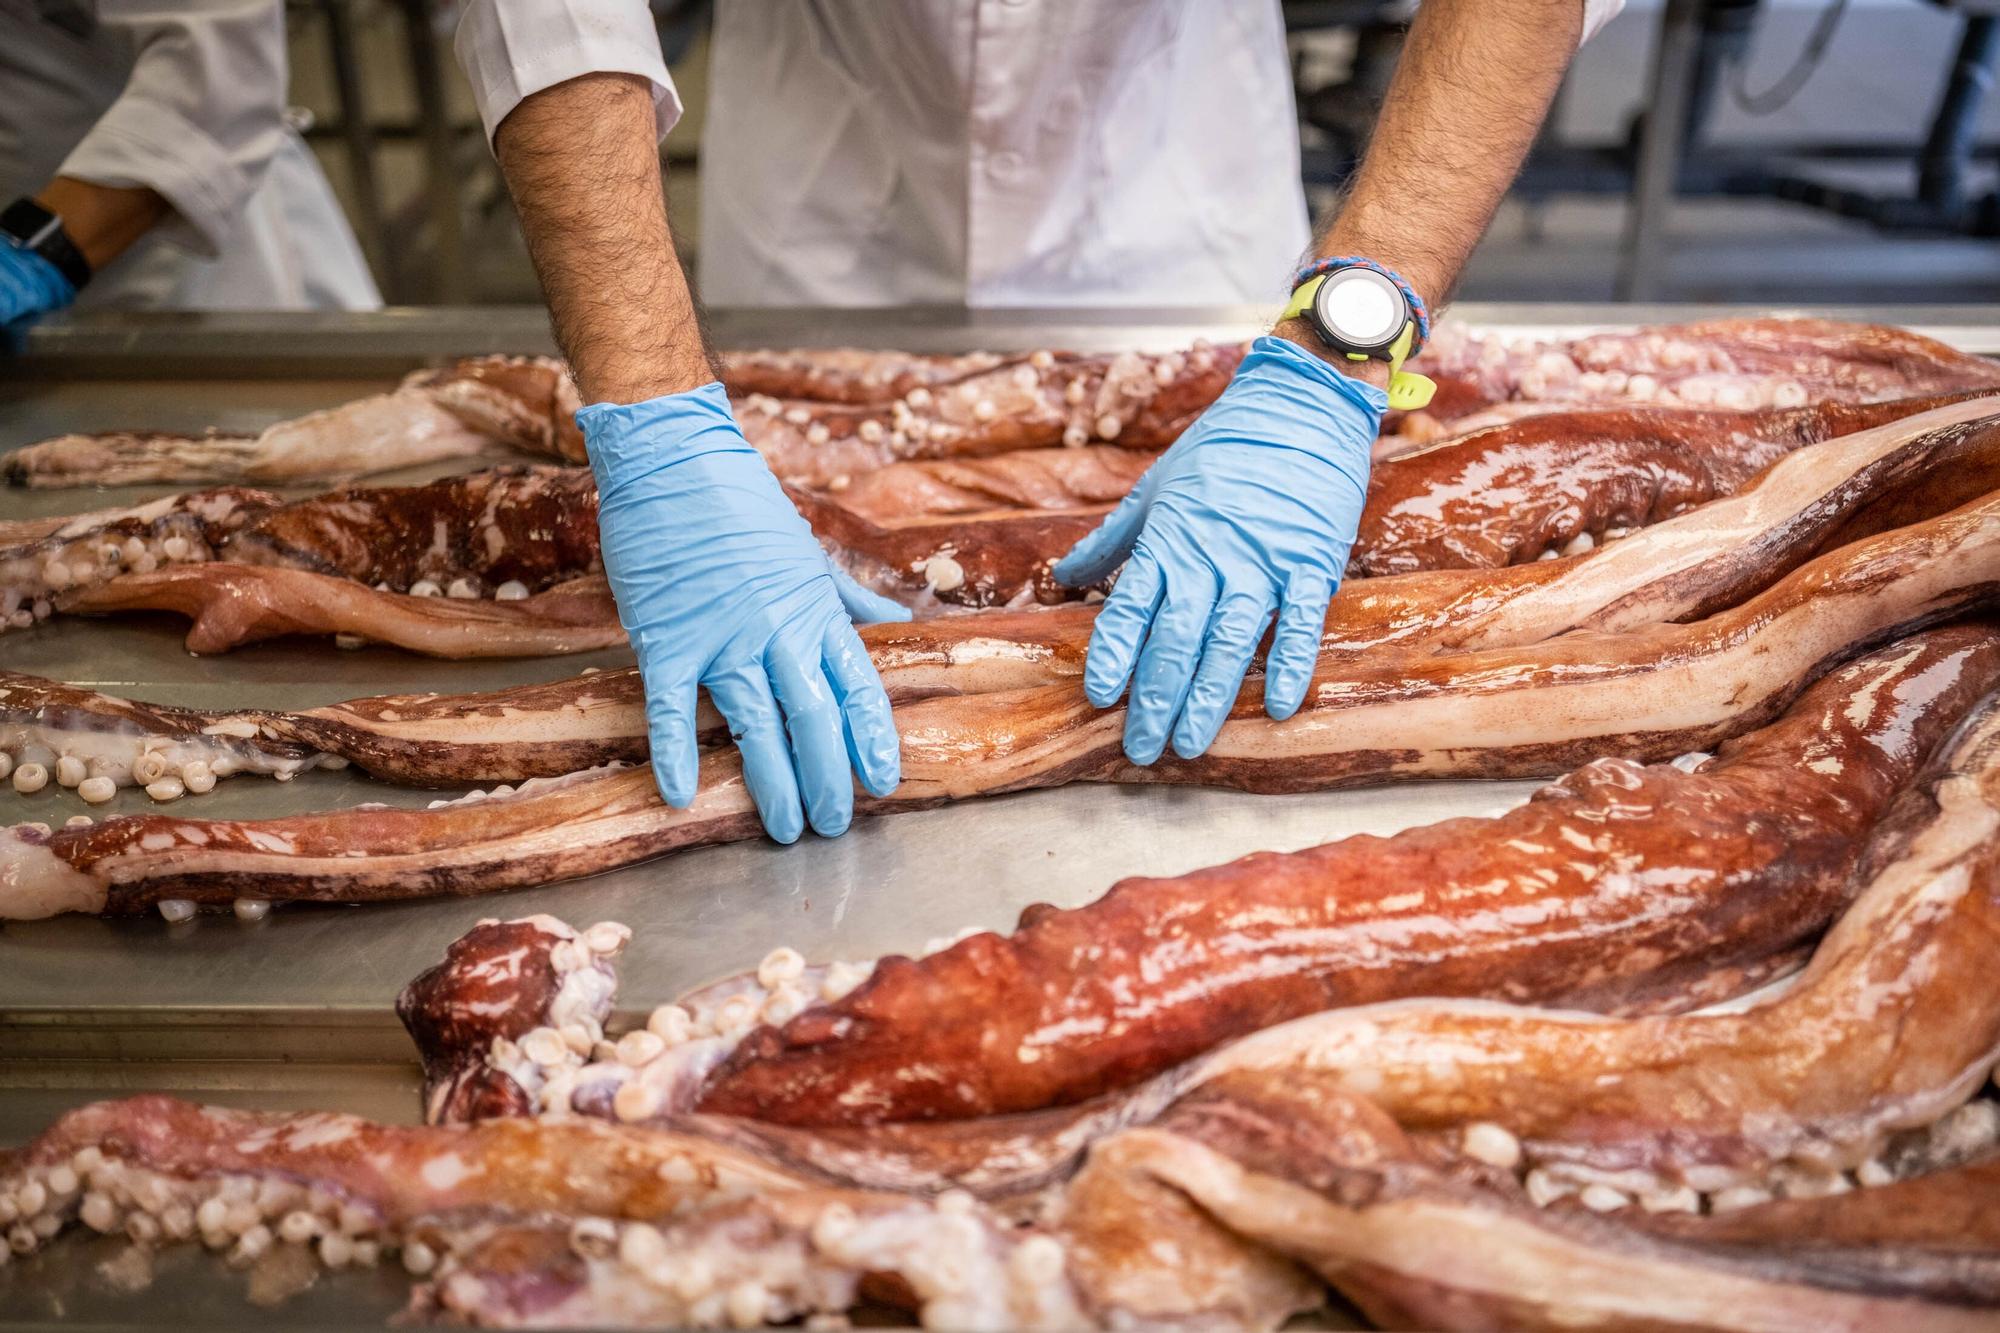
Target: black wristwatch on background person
{"points": [[39, 231], [1365, 312]]}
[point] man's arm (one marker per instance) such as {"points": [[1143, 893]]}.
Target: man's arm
{"points": [[582, 162], [184, 145], [720, 584], [1251, 513], [1469, 94], [102, 221]]}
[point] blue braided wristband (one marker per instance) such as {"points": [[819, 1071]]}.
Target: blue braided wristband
{"points": [[1419, 312]]}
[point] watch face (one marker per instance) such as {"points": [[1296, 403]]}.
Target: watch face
{"points": [[1362, 309]]}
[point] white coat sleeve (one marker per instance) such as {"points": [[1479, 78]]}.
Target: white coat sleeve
{"points": [[1597, 13], [512, 49], [201, 116]]}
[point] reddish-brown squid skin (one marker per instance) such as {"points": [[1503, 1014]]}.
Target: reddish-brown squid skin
{"points": [[1824, 360], [1620, 888], [1649, 694], [532, 525], [1506, 494], [233, 604], [486, 404], [499, 1199], [508, 1164], [43, 557], [497, 980], [998, 559], [1500, 496], [1818, 498], [1269, 1163], [1836, 357], [526, 402], [1890, 1027], [535, 527]]}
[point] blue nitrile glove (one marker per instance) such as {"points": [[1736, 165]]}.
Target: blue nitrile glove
{"points": [[29, 284], [1251, 511], [721, 584]]}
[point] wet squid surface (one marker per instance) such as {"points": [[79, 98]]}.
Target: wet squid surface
{"points": [[1562, 484], [1221, 1192], [1620, 888], [1839, 1171], [51, 734], [1200, 1101], [843, 412], [1648, 694], [1869, 1067], [1565, 482]]}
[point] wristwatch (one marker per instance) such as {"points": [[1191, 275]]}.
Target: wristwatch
{"points": [[1365, 313], [39, 231]]}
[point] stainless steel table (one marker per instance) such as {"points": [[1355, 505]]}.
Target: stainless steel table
{"points": [[295, 1011]]}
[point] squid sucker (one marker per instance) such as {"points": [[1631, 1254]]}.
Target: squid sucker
{"points": [[1648, 694]]}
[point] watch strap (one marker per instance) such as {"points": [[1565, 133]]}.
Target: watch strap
{"points": [[1302, 298], [1408, 390], [1420, 313], [39, 231]]}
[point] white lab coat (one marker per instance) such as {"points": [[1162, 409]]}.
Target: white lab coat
{"points": [[188, 99], [990, 152]]}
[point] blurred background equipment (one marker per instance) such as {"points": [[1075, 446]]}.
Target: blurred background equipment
{"points": [[1701, 150]]}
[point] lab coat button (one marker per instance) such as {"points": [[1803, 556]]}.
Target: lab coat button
{"points": [[1006, 164]]}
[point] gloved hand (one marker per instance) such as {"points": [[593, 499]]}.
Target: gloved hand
{"points": [[1251, 511], [720, 583], [29, 284]]}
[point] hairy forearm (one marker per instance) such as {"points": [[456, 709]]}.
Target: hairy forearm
{"points": [[102, 221], [581, 162], [1469, 94]]}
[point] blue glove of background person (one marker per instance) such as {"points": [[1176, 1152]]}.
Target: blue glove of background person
{"points": [[721, 584], [1251, 512], [29, 284]]}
